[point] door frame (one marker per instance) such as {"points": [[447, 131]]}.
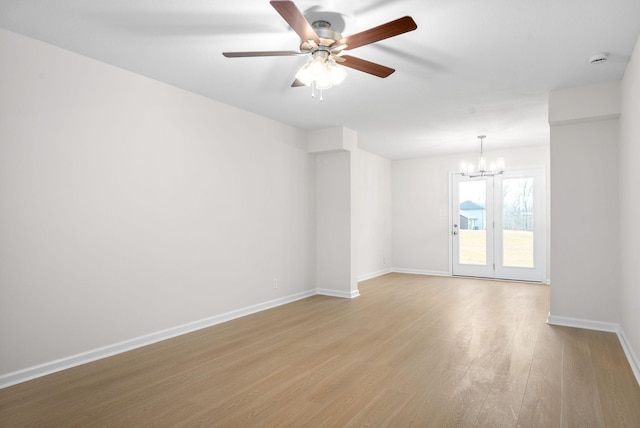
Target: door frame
{"points": [[494, 256]]}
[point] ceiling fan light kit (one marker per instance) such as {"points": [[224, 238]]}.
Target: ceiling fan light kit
{"points": [[325, 68], [322, 73], [496, 168]]}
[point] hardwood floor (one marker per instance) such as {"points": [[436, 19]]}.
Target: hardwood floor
{"points": [[410, 351]]}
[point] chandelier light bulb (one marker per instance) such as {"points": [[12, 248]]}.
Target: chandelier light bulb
{"points": [[482, 164]]}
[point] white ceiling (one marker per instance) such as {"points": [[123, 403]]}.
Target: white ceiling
{"points": [[472, 67]]}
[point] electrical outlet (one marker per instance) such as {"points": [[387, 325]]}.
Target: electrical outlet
{"points": [[384, 260], [275, 283]]}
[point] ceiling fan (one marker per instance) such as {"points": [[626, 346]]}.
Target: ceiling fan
{"points": [[327, 46]]}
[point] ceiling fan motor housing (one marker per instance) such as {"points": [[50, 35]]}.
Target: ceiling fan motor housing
{"points": [[327, 35]]}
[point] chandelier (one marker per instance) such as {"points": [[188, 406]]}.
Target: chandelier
{"points": [[496, 168]]}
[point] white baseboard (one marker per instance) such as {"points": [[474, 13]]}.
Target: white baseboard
{"points": [[634, 362], [632, 358], [374, 274], [580, 323], [421, 272], [338, 293], [29, 373]]}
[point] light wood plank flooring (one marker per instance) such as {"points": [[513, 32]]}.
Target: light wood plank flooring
{"points": [[410, 351]]}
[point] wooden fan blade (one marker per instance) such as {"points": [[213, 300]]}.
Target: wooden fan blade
{"points": [[366, 66], [295, 19], [381, 32], [296, 83], [261, 53]]}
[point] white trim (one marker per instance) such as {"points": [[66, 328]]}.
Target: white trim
{"points": [[450, 226], [376, 274], [29, 373], [584, 119], [580, 323], [421, 272], [338, 293], [634, 362], [632, 358]]}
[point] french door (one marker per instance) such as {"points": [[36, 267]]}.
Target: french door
{"points": [[498, 225]]}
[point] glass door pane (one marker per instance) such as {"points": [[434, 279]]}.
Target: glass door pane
{"points": [[517, 222], [519, 225], [472, 202]]}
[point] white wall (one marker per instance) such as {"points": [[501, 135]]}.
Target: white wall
{"points": [[336, 247], [374, 214], [333, 219], [595, 258], [128, 206], [629, 185], [421, 206], [585, 243]]}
